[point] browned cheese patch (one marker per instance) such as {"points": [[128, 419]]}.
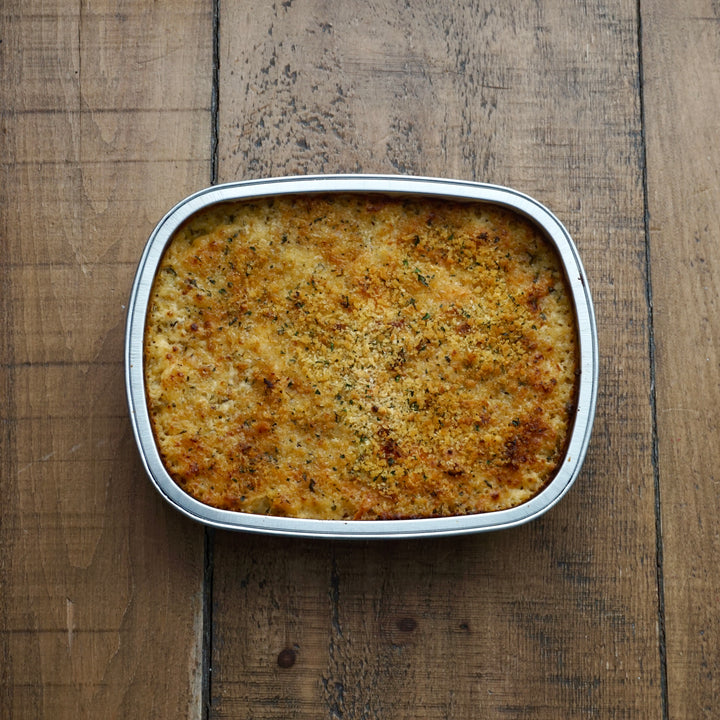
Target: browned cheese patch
{"points": [[360, 357]]}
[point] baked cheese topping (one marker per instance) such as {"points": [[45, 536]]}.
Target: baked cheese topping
{"points": [[360, 357]]}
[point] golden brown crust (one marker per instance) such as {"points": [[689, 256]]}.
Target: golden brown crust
{"points": [[359, 356]]}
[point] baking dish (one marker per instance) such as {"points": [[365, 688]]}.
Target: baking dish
{"points": [[385, 185]]}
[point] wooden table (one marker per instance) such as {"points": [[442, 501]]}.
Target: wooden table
{"points": [[112, 605]]}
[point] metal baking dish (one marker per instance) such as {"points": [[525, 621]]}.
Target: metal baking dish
{"points": [[363, 529]]}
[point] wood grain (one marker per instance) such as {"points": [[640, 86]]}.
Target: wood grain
{"points": [[105, 124], [681, 53], [557, 619], [107, 118]]}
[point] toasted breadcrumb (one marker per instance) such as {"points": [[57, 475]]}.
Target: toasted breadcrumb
{"points": [[360, 357]]}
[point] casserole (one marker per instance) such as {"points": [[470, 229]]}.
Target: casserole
{"points": [[432, 190]]}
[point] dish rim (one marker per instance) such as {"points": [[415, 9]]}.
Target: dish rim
{"points": [[462, 190]]}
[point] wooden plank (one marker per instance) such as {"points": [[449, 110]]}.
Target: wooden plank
{"points": [[556, 619], [130, 207], [105, 124], [681, 56]]}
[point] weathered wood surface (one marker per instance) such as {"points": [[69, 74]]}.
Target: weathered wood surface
{"points": [[554, 620], [606, 607], [681, 52], [101, 585]]}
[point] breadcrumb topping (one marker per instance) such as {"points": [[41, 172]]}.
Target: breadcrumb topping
{"points": [[360, 357]]}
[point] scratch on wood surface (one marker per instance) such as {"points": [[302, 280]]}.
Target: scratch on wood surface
{"points": [[695, 411], [47, 457], [70, 622], [43, 459], [142, 62], [195, 664]]}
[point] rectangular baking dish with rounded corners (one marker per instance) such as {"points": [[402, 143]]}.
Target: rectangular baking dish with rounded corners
{"points": [[364, 529]]}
